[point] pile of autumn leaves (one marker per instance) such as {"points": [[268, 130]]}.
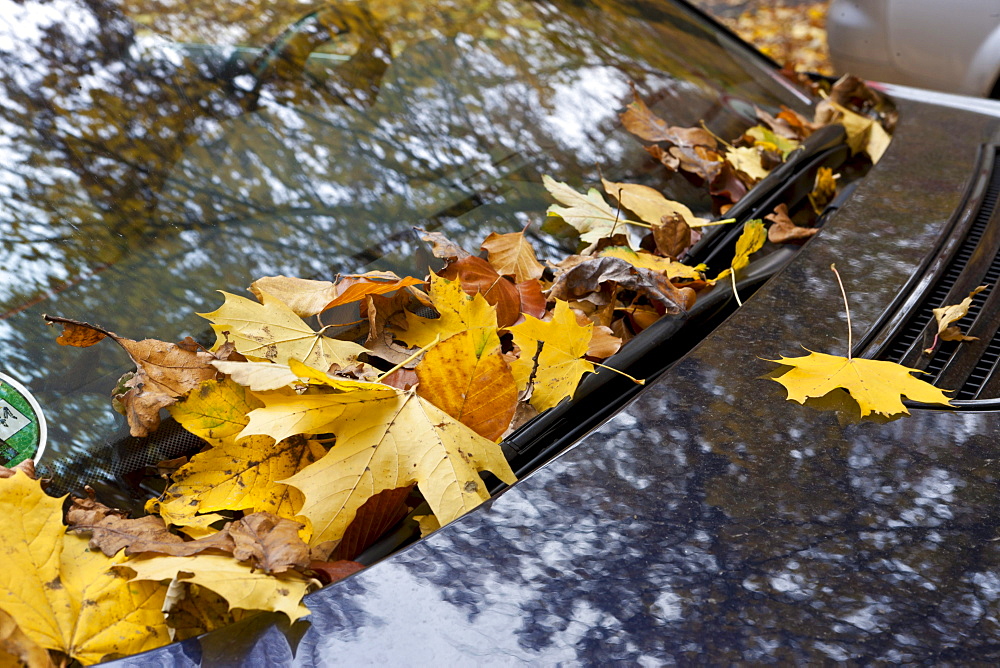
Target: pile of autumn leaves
{"points": [[316, 443]]}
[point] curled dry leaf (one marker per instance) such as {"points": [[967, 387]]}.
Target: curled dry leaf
{"points": [[643, 123], [783, 230], [672, 235], [588, 276], [441, 246], [165, 372], [946, 316]]}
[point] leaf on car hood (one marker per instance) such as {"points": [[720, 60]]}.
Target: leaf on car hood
{"points": [[590, 214], [512, 255], [477, 389], [876, 385]]}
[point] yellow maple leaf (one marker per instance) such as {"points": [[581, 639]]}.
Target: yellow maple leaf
{"points": [[215, 411], [243, 475], [477, 390], [559, 366], [458, 311], [271, 331], [282, 416], [876, 385], [236, 581], [94, 611], [392, 443]]}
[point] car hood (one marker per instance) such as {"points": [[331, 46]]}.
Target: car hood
{"points": [[712, 520]]}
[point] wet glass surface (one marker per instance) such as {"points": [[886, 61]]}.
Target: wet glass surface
{"points": [[711, 521], [148, 162]]}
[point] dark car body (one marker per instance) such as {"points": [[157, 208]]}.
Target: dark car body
{"points": [[709, 520]]}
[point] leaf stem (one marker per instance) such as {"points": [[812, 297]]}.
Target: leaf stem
{"points": [[732, 274], [850, 338], [437, 340], [637, 381]]}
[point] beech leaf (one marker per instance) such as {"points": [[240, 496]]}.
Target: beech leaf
{"points": [[307, 297], [876, 385], [478, 276]]}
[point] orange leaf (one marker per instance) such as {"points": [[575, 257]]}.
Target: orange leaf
{"points": [[477, 391], [478, 275]]}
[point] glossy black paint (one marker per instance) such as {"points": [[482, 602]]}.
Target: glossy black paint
{"points": [[711, 521]]}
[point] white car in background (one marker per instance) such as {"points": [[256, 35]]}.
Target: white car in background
{"points": [[951, 46]]}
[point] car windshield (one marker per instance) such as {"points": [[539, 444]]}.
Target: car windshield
{"points": [[157, 152]]}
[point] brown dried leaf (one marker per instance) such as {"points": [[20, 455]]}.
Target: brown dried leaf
{"points": [[604, 343], [165, 372], [783, 230], [672, 235], [588, 276], [643, 123], [512, 255], [329, 572], [271, 543], [376, 516], [26, 467], [442, 247]]}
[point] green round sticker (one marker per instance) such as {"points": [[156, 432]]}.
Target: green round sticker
{"points": [[22, 425]]}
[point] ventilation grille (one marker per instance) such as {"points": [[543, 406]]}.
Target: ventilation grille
{"points": [[967, 367]]}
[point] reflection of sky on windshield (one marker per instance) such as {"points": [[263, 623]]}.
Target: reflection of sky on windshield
{"points": [[140, 174]]}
